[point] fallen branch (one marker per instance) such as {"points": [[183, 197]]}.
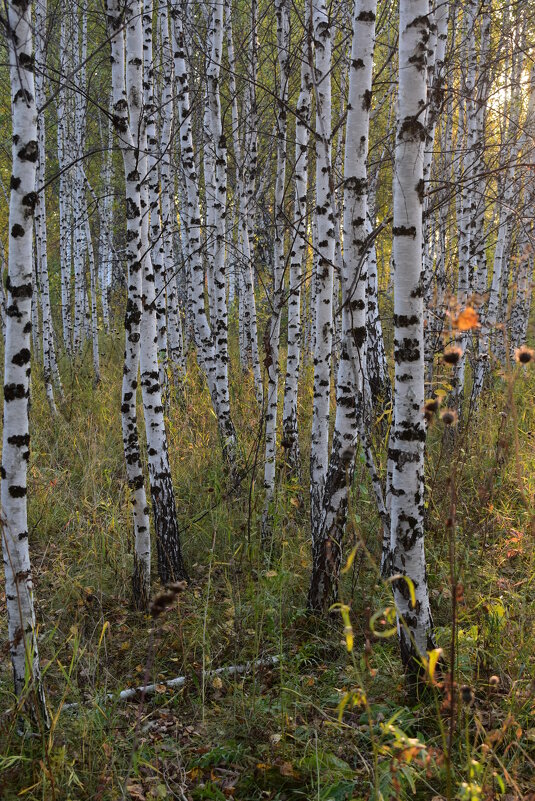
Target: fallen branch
{"points": [[179, 681]]}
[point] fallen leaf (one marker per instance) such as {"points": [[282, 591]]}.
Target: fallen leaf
{"points": [[286, 769], [136, 792]]}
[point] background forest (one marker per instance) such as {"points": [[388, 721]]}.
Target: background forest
{"points": [[267, 490]]}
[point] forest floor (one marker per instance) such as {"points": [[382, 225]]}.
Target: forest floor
{"points": [[321, 722]]}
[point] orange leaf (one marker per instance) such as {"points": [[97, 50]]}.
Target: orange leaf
{"points": [[466, 320]]}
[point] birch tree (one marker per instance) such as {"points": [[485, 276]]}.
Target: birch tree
{"points": [[153, 188], [290, 436], [16, 437], [247, 309], [170, 563], [328, 532], [272, 333], [50, 366], [324, 259], [122, 105], [215, 376], [407, 438], [65, 210], [167, 206]]}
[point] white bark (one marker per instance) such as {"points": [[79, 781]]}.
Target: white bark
{"points": [[290, 434], [16, 436], [170, 562], [126, 112], [272, 333], [328, 530], [324, 260], [106, 251], [247, 309], [174, 327], [407, 439], [79, 41], [65, 210], [203, 334], [153, 184], [520, 309], [50, 367], [467, 209], [219, 205], [93, 287]]}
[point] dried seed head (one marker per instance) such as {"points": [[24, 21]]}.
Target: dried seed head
{"points": [[524, 355], [162, 601], [452, 355], [177, 586], [467, 695], [432, 405], [449, 417]]}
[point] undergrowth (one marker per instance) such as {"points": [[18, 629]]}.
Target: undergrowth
{"points": [[332, 718]]}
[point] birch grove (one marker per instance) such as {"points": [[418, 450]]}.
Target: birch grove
{"points": [[282, 255]]}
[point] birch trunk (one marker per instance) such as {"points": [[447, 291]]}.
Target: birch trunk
{"points": [[170, 563], [121, 108], [174, 327], [93, 288], [468, 200], [324, 261], [329, 529], [79, 41], [248, 307], [407, 439], [272, 333], [520, 310], [203, 334], [290, 434], [50, 367], [16, 437], [219, 210], [153, 185], [65, 211]]}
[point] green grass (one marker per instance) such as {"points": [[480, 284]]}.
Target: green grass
{"points": [[275, 733]]}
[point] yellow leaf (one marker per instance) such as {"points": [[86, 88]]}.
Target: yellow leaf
{"points": [[105, 628], [348, 628], [410, 585], [350, 560], [388, 613], [434, 656], [342, 705]]}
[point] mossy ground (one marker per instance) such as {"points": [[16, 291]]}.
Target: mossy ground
{"points": [[276, 732]]}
